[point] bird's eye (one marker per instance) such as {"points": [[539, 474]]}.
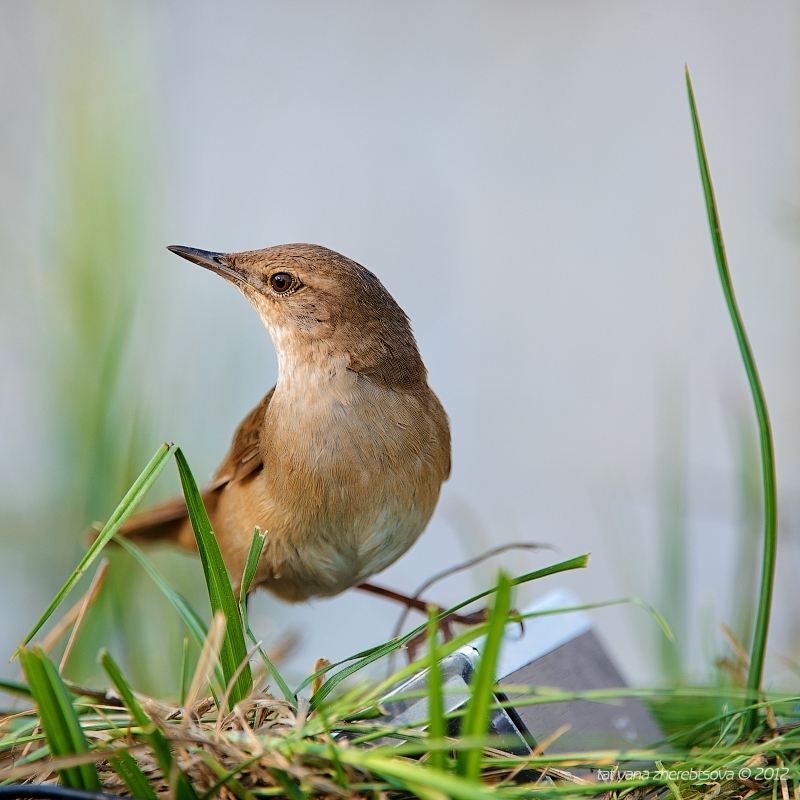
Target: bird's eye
{"points": [[281, 282]]}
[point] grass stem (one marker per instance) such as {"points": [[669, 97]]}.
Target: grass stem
{"points": [[758, 651]]}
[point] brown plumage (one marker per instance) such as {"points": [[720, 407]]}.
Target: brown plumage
{"points": [[342, 461]]}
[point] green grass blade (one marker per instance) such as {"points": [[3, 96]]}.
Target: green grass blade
{"points": [[59, 720], [192, 620], [253, 557], [476, 722], [241, 766], [759, 648], [220, 592], [404, 773], [251, 565], [11, 687], [190, 617], [184, 671], [128, 505], [154, 737], [291, 789], [468, 636], [132, 776], [436, 724], [373, 654], [227, 778]]}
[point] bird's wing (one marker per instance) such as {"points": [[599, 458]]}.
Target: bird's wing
{"points": [[244, 457], [169, 521]]}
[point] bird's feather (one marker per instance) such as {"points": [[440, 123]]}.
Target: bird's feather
{"points": [[244, 457], [169, 521]]}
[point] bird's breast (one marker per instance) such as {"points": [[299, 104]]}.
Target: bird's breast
{"points": [[351, 476]]}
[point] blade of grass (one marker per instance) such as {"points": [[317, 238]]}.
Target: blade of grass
{"points": [[184, 671], [233, 786], [291, 789], [367, 657], [132, 499], [11, 687], [762, 415], [153, 735], [251, 565], [476, 722], [333, 753], [59, 720], [190, 617], [220, 592], [130, 772], [37, 761], [253, 557], [436, 725], [186, 611], [402, 772], [226, 776], [425, 793]]}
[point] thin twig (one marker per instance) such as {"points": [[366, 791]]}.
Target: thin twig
{"points": [[464, 565], [223, 703], [209, 656], [96, 585]]}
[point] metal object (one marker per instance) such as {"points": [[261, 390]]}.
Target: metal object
{"points": [[555, 649], [561, 650], [407, 704]]}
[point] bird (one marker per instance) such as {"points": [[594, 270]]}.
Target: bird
{"points": [[342, 462]]}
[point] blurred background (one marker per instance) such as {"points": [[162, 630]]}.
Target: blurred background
{"points": [[522, 178]]}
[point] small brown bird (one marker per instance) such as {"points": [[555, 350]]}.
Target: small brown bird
{"points": [[342, 462]]}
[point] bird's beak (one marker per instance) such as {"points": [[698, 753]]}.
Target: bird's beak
{"points": [[216, 262]]}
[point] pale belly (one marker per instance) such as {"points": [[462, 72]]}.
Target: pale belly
{"points": [[336, 535]]}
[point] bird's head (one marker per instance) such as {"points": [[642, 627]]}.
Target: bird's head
{"points": [[316, 303]]}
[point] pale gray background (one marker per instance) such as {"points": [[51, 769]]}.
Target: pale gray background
{"points": [[522, 177]]}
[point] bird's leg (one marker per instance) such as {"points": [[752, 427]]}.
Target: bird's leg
{"points": [[445, 624], [421, 605]]}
